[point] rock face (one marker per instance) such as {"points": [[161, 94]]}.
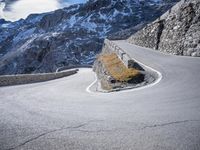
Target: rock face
{"points": [[124, 34], [176, 32], [69, 36]]}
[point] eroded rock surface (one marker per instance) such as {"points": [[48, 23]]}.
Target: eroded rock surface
{"points": [[176, 32]]}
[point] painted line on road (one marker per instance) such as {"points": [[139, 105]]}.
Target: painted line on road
{"points": [[159, 78], [88, 88]]}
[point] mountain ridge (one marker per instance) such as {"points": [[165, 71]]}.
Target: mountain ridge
{"points": [[69, 36]]}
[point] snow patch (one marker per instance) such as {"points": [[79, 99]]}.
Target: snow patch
{"points": [[23, 35]]}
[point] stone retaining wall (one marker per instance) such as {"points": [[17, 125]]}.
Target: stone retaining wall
{"points": [[176, 32], [125, 58], [7, 80], [105, 81], [73, 67]]}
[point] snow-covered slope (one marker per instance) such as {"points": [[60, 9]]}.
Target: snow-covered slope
{"points": [[69, 36]]}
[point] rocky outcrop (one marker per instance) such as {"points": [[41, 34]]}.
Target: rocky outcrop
{"points": [[125, 34], [176, 32], [107, 83], [69, 36]]}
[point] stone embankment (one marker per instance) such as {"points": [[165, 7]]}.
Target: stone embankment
{"points": [[110, 47], [107, 83], [176, 32], [7, 80]]}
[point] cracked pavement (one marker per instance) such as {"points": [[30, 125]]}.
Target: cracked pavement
{"points": [[61, 115]]}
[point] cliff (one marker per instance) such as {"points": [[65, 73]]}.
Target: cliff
{"points": [[176, 32]]}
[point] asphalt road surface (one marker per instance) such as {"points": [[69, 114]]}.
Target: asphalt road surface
{"points": [[62, 115]]}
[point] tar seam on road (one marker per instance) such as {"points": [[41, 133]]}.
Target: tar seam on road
{"points": [[52, 131], [169, 123]]}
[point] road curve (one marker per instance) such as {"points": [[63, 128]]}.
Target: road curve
{"points": [[62, 115]]}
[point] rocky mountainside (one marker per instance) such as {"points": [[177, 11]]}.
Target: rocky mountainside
{"points": [[176, 32], [69, 36]]}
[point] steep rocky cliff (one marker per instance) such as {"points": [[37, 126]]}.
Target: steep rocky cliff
{"points": [[69, 36], [176, 32]]}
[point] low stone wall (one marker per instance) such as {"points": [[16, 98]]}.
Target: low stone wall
{"points": [[7, 80], [126, 59], [125, 34], [73, 67]]}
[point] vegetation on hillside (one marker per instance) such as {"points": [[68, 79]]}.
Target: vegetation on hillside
{"points": [[117, 69]]}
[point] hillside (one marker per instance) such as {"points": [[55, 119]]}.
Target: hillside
{"points": [[69, 36], [176, 32]]}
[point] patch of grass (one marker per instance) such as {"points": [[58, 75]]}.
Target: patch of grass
{"points": [[117, 69]]}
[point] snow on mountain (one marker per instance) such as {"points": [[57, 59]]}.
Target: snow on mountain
{"points": [[69, 36]]}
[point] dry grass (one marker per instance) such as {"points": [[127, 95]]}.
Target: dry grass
{"points": [[117, 69]]}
